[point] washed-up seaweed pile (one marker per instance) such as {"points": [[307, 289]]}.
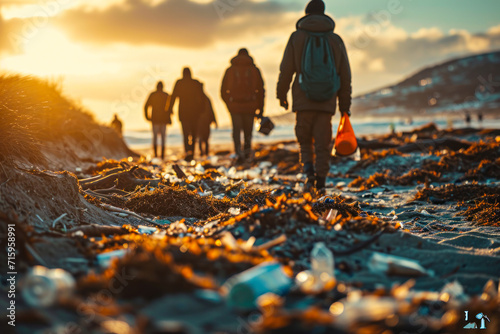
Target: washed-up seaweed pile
{"points": [[413, 177], [478, 162], [481, 202], [369, 157], [169, 264], [176, 201], [463, 161], [285, 160]]}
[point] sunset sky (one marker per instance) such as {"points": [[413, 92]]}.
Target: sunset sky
{"points": [[110, 53]]}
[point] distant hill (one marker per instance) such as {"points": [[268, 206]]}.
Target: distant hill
{"points": [[466, 84]]}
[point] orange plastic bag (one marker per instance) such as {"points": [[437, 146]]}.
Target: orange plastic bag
{"points": [[345, 143]]}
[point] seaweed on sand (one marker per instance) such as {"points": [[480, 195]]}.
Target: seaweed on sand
{"points": [[481, 202], [369, 157], [176, 201], [456, 193], [464, 160], [484, 210], [251, 197], [170, 265], [338, 203], [286, 160], [414, 176]]}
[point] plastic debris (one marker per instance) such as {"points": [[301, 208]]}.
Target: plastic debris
{"points": [[146, 229], [395, 265], [234, 211], [104, 259], [242, 290], [44, 287]]}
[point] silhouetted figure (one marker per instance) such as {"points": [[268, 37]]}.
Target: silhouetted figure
{"points": [[117, 125], [207, 117], [315, 108], [480, 117], [191, 105], [160, 116], [392, 127], [467, 119], [243, 92]]}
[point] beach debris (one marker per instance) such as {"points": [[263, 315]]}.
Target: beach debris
{"points": [[44, 287], [242, 290], [104, 259], [234, 211], [321, 277], [143, 229], [322, 263], [131, 213], [395, 265]]}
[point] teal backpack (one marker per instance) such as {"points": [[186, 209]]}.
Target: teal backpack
{"points": [[319, 78]]}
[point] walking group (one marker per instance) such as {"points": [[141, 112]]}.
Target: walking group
{"points": [[315, 59]]}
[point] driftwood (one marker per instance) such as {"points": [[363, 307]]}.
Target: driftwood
{"points": [[131, 213], [121, 180], [98, 230], [178, 171]]}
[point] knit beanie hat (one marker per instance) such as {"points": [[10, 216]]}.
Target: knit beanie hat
{"points": [[315, 7]]}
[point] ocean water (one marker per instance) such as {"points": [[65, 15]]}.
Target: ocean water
{"points": [[284, 130]]}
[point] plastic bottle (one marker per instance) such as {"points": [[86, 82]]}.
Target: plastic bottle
{"points": [[243, 289], [322, 263], [45, 287]]}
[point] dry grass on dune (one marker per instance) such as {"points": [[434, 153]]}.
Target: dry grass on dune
{"points": [[34, 112]]}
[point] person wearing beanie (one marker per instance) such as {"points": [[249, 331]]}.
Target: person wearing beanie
{"points": [[315, 7], [314, 115]]}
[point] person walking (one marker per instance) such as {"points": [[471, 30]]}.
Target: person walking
{"points": [[318, 59], [191, 105], [243, 92], [158, 102], [206, 119], [117, 125]]}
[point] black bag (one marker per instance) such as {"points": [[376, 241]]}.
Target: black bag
{"points": [[265, 125]]}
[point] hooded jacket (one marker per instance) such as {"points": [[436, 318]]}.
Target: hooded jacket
{"points": [[243, 63], [292, 62]]}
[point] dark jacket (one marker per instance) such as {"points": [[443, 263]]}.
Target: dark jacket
{"points": [[158, 101], [191, 99], [253, 99], [292, 61], [206, 118]]}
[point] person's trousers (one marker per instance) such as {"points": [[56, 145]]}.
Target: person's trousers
{"points": [[314, 134], [159, 129], [242, 122], [189, 131]]}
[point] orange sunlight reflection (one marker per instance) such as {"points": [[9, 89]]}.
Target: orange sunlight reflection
{"points": [[50, 52]]}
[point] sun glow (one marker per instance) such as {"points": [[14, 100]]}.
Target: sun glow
{"points": [[50, 52]]}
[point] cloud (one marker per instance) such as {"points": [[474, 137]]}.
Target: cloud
{"points": [[391, 52], [180, 23]]}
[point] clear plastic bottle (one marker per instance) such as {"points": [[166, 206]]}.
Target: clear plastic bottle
{"points": [[44, 287], [322, 263]]}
